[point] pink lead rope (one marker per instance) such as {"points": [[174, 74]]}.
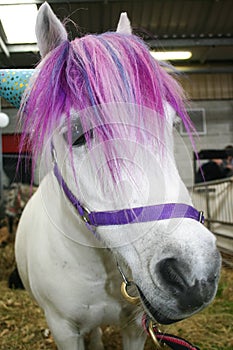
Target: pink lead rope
{"points": [[160, 338]]}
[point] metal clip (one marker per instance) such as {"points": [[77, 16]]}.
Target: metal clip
{"points": [[126, 283], [153, 336], [124, 292], [201, 217]]}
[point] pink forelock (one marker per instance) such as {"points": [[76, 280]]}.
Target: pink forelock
{"points": [[92, 71]]}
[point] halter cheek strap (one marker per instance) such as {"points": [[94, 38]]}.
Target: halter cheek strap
{"points": [[129, 216]]}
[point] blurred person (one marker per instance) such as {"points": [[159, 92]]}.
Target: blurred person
{"points": [[228, 162], [214, 169]]}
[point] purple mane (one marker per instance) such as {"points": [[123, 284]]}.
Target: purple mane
{"points": [[93, 71]]}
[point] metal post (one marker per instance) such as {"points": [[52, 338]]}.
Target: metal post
{"points": [[1, 170], [4, 120], [208, 207]]}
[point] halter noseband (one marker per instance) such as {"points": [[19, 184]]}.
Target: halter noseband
{"points": [[128, 216]]}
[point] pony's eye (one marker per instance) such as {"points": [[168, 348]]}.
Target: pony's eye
{"points": [[78, 136], [80, 141]]}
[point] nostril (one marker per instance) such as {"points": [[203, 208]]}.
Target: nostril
{"points": [[190, 291], [171, 273], [195, 296]]}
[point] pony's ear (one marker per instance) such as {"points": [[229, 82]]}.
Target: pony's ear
{"points": [[49, 30], [124, 26]]}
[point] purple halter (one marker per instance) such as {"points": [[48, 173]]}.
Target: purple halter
{"points": [[128, 216]]}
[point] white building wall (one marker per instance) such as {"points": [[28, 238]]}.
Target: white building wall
{"points": [[219, 133]]}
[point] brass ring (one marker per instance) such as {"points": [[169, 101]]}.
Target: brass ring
{"points": [[153, 336], [129, 298]]}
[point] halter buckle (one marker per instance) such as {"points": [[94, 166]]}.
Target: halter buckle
{"points": [[85, 215], [53, 154]]}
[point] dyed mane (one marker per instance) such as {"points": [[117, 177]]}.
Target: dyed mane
{"points": [[92, 71]]}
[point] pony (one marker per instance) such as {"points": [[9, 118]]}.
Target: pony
{"points": [[99, 112]]}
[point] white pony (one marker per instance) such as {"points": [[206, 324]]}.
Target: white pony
{"points": [[102, 110]]}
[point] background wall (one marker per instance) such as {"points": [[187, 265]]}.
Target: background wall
{"points": [[219, 133]]}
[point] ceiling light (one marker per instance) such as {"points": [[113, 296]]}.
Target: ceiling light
{"points": [[16, 2], [19, 23], [171, 55]]}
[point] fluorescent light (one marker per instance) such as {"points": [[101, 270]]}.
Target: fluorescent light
{"points": [[16, 2], [171, 55], [19, 23]]}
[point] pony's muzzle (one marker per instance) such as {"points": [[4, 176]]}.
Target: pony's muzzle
{"points": [[190, 294]]}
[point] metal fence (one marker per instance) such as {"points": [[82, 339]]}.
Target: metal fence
{"points": [[215, 198]]}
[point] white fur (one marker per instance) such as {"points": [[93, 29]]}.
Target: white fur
{"points": [[69, 272]]}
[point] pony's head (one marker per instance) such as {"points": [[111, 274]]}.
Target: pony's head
{"points": [[106, 108]]}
